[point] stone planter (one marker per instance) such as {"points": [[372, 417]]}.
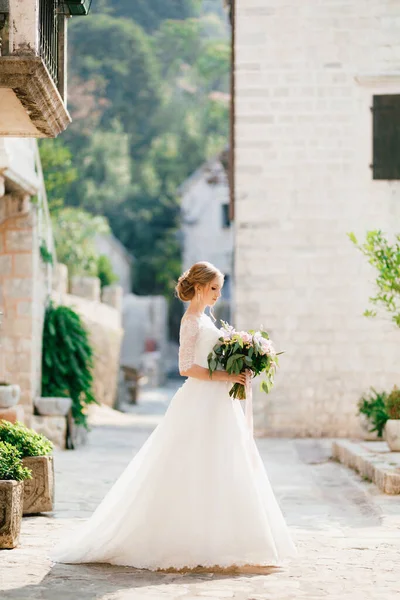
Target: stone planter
{"points": [[11, 506], [39, 491], [9, 395], [49, 407], [392, 434]]}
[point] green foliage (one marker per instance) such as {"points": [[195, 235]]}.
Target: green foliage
{"points": [[385, 258], [67, 360], [213, 65], [27, 441], [148, 85], [151, 13], [11, 466], [373, 406], [45, 253], [105, 271], [117, 73], [74, 233], [59, 172], [393, 404]]}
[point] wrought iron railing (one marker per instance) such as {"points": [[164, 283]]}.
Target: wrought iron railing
{"points": [[48, 35]]}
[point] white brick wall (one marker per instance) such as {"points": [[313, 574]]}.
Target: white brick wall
{"points": [[305, 76]]}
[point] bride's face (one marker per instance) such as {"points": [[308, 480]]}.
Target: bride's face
{"points": [[212, 291]]}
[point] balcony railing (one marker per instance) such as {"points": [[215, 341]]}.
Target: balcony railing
{"points": [[48, 36]]}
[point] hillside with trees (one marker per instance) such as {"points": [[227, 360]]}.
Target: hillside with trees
{"points": [[148, 93]]}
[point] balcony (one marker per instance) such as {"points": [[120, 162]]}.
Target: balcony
{"points": [[33, 68]]}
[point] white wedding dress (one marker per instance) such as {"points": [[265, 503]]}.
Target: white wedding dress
{"points": [[196, 494]]}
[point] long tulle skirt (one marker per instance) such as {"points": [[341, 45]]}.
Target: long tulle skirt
{"points": [[196, 494]]}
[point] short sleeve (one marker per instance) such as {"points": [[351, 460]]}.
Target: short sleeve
{"points": [[188, 334]]}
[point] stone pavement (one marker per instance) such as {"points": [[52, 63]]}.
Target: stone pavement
{"points": [[346, 531]]}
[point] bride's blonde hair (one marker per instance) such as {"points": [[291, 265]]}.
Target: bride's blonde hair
{"points": [[200, 273]]}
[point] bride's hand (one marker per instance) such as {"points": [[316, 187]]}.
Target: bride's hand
{"points": [[241, 378]]}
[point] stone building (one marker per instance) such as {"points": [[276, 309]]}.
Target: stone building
{"points": [[206, 232], [316, 108], [24, 278], [121, 260], [33, 66]]}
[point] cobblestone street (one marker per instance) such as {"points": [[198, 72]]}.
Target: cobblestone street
{"points": [[346, 531]]}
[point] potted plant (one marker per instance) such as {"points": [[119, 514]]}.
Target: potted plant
{"points": [[35, 450], [9, 394], [392, 427], [12, 477], [373, 414]]}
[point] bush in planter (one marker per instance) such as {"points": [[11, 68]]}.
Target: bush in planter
{"points": [[12, 477], [35, 450], [67, 360], [392, 428], [27, 441], [393, 404], [11, 466], [373, 406]]}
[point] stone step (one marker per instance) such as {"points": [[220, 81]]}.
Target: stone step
{"points": [[373, 460]]}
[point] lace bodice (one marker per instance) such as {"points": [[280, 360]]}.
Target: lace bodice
{"points": [[197, 337]]}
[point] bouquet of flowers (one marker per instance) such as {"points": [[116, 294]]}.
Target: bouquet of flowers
{"points": [[237, 351]]}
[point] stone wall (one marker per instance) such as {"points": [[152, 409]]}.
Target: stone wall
{"points": [[103, 322], [22, 297], [306, 73]]}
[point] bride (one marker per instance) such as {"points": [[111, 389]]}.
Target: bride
{"points": [[197, 493]]}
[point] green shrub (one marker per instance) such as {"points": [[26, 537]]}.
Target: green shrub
{"points": [[67, 360], [27, 441], [385, 259], [105, 271], [11, 467], [373, 406], [393, 404]]}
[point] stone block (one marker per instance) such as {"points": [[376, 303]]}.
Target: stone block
{"points": [[5, 265], [16, 413], [86, 287], [17, 287], [372, 460], [19, 240], [11, 506], [54, 428], [39, 491], [60, 278], [112, 295], [24, 309], [23, 265], [21, 327]]}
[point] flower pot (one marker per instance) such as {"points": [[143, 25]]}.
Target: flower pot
{"points": [[11, 506], [392, 434], [9, 395], [39, 491]]}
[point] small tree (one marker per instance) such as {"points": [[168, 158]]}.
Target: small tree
{"points": [[385, 258]]}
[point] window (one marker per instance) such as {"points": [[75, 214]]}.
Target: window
{"points": [[386, 137], [225, 216]]}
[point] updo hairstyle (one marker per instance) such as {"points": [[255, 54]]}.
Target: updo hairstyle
{"points": [[200, 273]]}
